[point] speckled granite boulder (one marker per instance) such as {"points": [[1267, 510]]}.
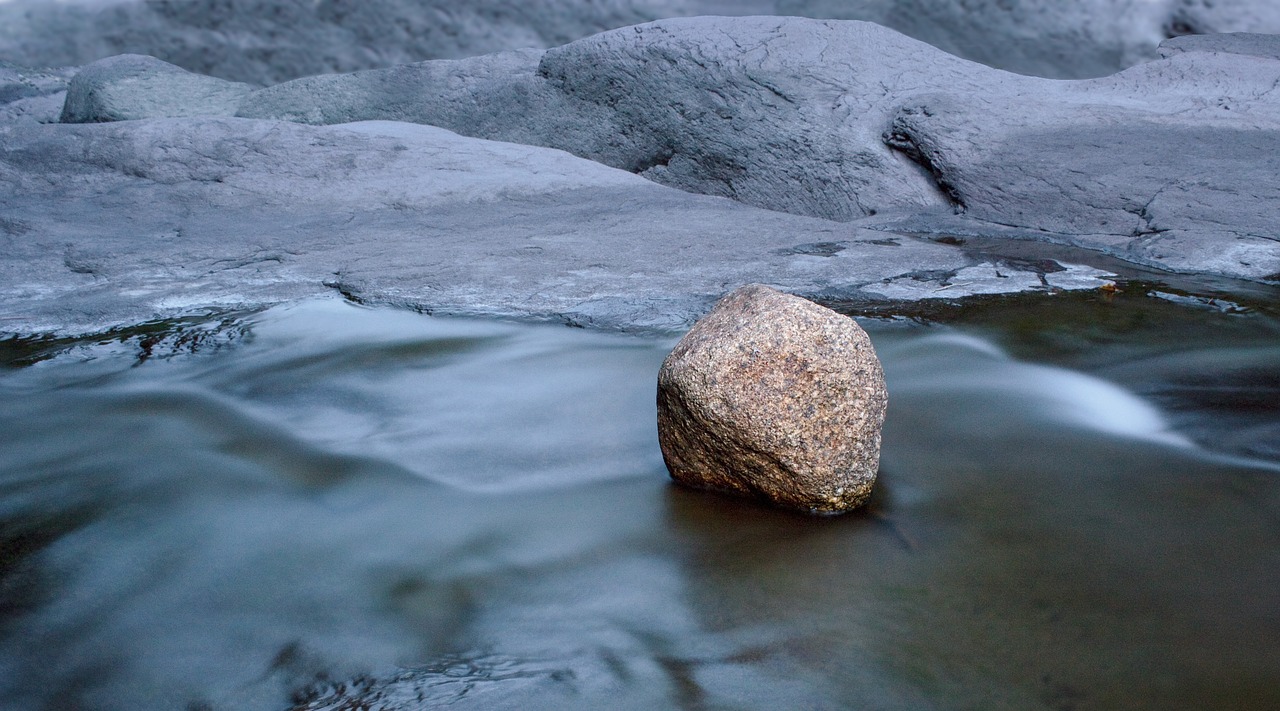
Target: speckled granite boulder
{"points": [[774, 397]]}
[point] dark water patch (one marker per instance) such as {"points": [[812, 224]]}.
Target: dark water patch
{"points": [[1208, 358]]}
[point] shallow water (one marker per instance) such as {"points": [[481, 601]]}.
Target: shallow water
{"points": [[1079, 508]]}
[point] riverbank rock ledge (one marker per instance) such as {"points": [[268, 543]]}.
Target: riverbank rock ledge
{"points": [[130, 87], [774, 397]]}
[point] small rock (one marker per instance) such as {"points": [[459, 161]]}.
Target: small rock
{"points": [[132, 86], [774, 397]]}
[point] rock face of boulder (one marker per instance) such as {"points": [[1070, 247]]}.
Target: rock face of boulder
{"points": [[32, 95], [131, 86], [268, 41], [781, 113], [774, 397]]}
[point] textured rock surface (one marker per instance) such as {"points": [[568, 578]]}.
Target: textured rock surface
{"points": [[1246, 43], [774, 397], [32, 95], [267, 41], [105, 225], [132, 86], [1171, 164], [1166, 164], [785, 114]]}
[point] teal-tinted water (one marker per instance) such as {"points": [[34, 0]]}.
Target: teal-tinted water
{"points": [[1079, 508]]}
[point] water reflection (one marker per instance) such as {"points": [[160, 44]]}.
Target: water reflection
{"points": [[418, 512]]}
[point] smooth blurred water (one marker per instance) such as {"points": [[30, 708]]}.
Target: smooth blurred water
{"points": [[325, 502]]}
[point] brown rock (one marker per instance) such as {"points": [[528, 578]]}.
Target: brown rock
{"points": [[774, 397]]}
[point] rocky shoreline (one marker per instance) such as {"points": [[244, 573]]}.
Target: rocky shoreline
{"points": [[706, 153], [205, 193]]}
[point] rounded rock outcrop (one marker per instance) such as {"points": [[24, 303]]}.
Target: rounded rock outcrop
{"points": [[131, 86], [774, 397]]}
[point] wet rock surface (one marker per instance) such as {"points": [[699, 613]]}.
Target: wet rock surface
{"points": [[774, 397], [1169, 164]]}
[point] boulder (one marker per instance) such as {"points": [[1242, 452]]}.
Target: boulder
{"points": [[774, 397], [1172, 164], [132, 86], [1190, 17], [1248, 44]]}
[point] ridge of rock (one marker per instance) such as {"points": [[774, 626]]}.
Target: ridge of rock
{"points": [[268, 41]]}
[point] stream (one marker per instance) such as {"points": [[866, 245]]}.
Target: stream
{"points": [[1078, 508]]}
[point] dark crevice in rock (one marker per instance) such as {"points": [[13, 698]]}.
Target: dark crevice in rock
{"points": [[349, 292], [1148, 227], [901, 140], [661, 159]]}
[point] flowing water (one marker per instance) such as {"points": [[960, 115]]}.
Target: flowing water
{"points": [[319, 504]]}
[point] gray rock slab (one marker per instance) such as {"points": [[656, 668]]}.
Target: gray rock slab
{"points": [[32, 94], [268, 41], [131, 86], [21, 82], [110, 225], [1171, 164], [35, 109], [781, 113], [1165, 164]]}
